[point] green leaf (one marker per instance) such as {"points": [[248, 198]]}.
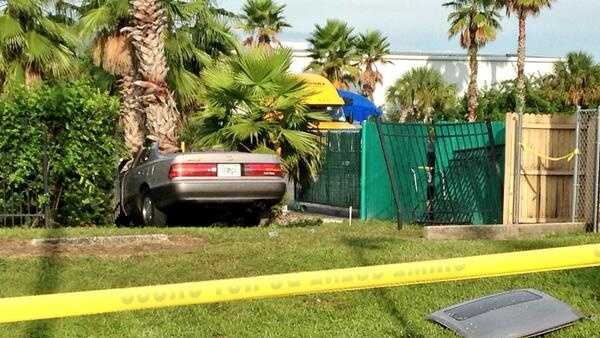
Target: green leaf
{"points": [[11, 33]]}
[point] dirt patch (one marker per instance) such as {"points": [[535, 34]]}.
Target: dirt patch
{"points": [[303, 219], [28, 248]]}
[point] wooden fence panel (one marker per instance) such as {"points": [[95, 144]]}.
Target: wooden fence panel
{"points": [[545, 184]]}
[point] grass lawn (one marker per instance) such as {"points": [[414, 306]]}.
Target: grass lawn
{"points": [[237, 252]]}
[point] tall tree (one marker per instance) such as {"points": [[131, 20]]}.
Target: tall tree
{"points": [[263, 20], [418, 94], [112, 50], [163, 120], [33, 45], [212, 32], [578, 79], [476, 23], [195, 32], [372, 47], [333, 53], [523, 9]]}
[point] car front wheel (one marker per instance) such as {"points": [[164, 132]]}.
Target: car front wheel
{"points": [[120, 218], [151, 215]]}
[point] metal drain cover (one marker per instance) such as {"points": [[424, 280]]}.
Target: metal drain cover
{"points": [[517, 313]]}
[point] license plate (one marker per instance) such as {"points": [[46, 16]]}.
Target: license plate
{"points": [[229, 170]]}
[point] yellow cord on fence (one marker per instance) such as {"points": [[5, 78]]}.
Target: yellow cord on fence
{"points": [[567, 157], [24, 308]]}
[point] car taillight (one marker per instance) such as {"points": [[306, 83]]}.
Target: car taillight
{"points": [[262, 169], [193, 170]]}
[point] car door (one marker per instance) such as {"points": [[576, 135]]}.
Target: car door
{"points": [[131, 181]]}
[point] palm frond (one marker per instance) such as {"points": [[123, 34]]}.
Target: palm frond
{"points": [[253, 102], [15, 74], [302, 142], [39, 50], [475, 21], [188, 86], [114, 54], [333, 52], [11, 33], [263, 19], [181, 50], [98, 21], [26, 8], [58, 32]]}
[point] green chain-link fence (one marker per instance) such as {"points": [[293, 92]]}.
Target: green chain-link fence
{"points": [[338, 183], [440, 173]]}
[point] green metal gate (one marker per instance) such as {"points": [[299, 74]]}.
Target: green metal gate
{"points": [[338, 183], [446, 173]]}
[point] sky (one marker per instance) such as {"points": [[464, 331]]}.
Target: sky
{"points": [[421, 25]]}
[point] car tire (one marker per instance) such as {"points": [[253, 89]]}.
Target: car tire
{"points": [[256, 218], [120, 218], [150, 214]]}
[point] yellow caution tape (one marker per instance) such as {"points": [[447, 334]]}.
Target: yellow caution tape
{"points": [[148, 297], [567, 157]]}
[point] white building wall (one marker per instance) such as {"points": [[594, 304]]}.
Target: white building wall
{"points": [[454, 67]]}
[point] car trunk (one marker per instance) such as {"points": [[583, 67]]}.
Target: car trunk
{"points": [[224, 157]]}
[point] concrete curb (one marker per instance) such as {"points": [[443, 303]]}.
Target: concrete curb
{"points": [[501, 231], [102, 240], [322, 209]]}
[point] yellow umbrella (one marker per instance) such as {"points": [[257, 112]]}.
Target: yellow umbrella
{"points": [[323, 91]]}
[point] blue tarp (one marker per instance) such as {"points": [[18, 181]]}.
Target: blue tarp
{"points": [[358, 107]]}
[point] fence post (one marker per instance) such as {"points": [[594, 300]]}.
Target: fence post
{"points": [[517, 169], [597, 171], [494, 157], [390, 175], [492, 147], [430, 170], [576, 167], [45, 169]]}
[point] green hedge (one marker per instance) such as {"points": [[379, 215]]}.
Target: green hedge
{"points": [[75, 124]]}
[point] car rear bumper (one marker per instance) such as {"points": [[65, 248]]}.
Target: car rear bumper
{"points": [[219, 191]]}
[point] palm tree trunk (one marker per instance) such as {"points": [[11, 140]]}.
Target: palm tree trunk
{"points": [[114, 53], [163, 121], [131, 118], [368, 79], [521, 64], [472, 90], [32, 76]]}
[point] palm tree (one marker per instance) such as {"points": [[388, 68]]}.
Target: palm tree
{"points": [[334, 54], [419, 93], [372, 47], [254, 104], [163, 120], [263, 20], [195, 32], [476, 22], [578, 79], [33, 46], [212, 33], [112, 50], [523, 9]]}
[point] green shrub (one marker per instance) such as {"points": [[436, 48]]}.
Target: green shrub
{"points": [[75, 125], [496, 101], [254, 104]]}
